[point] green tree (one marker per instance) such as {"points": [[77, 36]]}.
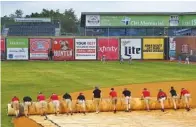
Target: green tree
{"points": [[19, 13]]}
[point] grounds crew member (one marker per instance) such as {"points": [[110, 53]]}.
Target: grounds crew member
{"points": [[113, 95], [187, 60], [103, 58], [127, 95], [146, 97], [42, 104], [27, 103], [130, 59], [55, 100], [121, 59], [174, 97], [161, 97], [68, 100], [16, 105], [97, 98], [185, 93], [81, 101]]}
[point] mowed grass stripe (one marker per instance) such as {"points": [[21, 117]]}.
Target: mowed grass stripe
{"points": [[29, 77]]}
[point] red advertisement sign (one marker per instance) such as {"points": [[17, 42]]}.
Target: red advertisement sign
{"points": [[39, 48], [2, 56], [2, 44], [63, 48], [109, 48]]}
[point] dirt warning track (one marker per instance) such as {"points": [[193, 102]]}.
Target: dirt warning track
{"points": [[170, 118]]}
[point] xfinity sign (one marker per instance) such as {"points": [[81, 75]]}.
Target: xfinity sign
{"points": [[131, 47]]}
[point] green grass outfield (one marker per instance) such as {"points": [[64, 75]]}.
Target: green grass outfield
{"points": [[29, 77]]}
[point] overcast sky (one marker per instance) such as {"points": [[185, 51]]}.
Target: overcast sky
{"points": [[99, 6]]}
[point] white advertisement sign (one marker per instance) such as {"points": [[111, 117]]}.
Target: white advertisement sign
{"points": [[92, 20], [172, 44], [17, 53], [131, 47], [85, 49]]}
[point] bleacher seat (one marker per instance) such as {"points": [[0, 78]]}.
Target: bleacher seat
{"points": [[32, 29]]}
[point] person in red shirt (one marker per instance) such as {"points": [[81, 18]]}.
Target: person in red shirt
{"points": [[16, 105], [161, 97], [42, 104], [146, 97], [185, 93], [55, 100], [113, 95]]}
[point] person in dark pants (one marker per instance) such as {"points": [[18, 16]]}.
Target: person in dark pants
{"points": [[81, 101], [68, 100], [97, 98], [174, 97], [50, 54], [27, 103], [127, 95]]}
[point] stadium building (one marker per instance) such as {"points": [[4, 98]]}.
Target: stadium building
{"points": [[138, 24]]}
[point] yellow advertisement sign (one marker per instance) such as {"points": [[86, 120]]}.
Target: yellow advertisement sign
{"points": [[153, 48]]}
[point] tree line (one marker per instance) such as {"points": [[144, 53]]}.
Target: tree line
{"points": [[67, 19]]}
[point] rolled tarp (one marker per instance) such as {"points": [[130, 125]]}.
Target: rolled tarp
{"points": [[105, 106]]}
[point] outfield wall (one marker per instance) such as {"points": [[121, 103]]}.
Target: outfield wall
{"points": [[91, 48]]}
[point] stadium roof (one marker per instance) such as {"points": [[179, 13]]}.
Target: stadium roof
{"points": [[83, 14]]}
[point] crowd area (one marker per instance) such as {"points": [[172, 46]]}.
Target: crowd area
{"points": [[97, 96]]}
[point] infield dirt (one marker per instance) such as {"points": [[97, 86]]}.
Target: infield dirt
{"points": [[137, 118]]}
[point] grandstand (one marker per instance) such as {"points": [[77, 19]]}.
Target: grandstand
{"points": [[31, 27], [138, 24]]}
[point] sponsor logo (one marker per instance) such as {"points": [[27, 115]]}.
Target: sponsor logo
{"points": [[126, 20], [93, 20], [129, 50], [108, 49], [17, 50], [10, 56], [185, 48], [174, 20], [39, 46], [63, 53], [17, 43]]}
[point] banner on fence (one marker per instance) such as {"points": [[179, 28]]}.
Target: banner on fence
{"points": [[131, 47], [63, 48], [153, 48], [172, 47], [39, 48], [85, 49], [17, 48], [109, 48], [2, 48]]}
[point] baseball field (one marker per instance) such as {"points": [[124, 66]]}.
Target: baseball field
{"points": [[23, 78]]}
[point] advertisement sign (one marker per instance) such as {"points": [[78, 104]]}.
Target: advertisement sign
{"points": [[32, 19], [92, 20], [17, 48], [2, 44], [131, 47], [153, 48], [188, 20], [2, 48], [108, 47], [63, 49], [134, 20], [39, 48], [85, 49], [172, 47], [140, 20]]}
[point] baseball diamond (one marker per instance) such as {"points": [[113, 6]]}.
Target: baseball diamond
{"points": [[97, 69]]}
